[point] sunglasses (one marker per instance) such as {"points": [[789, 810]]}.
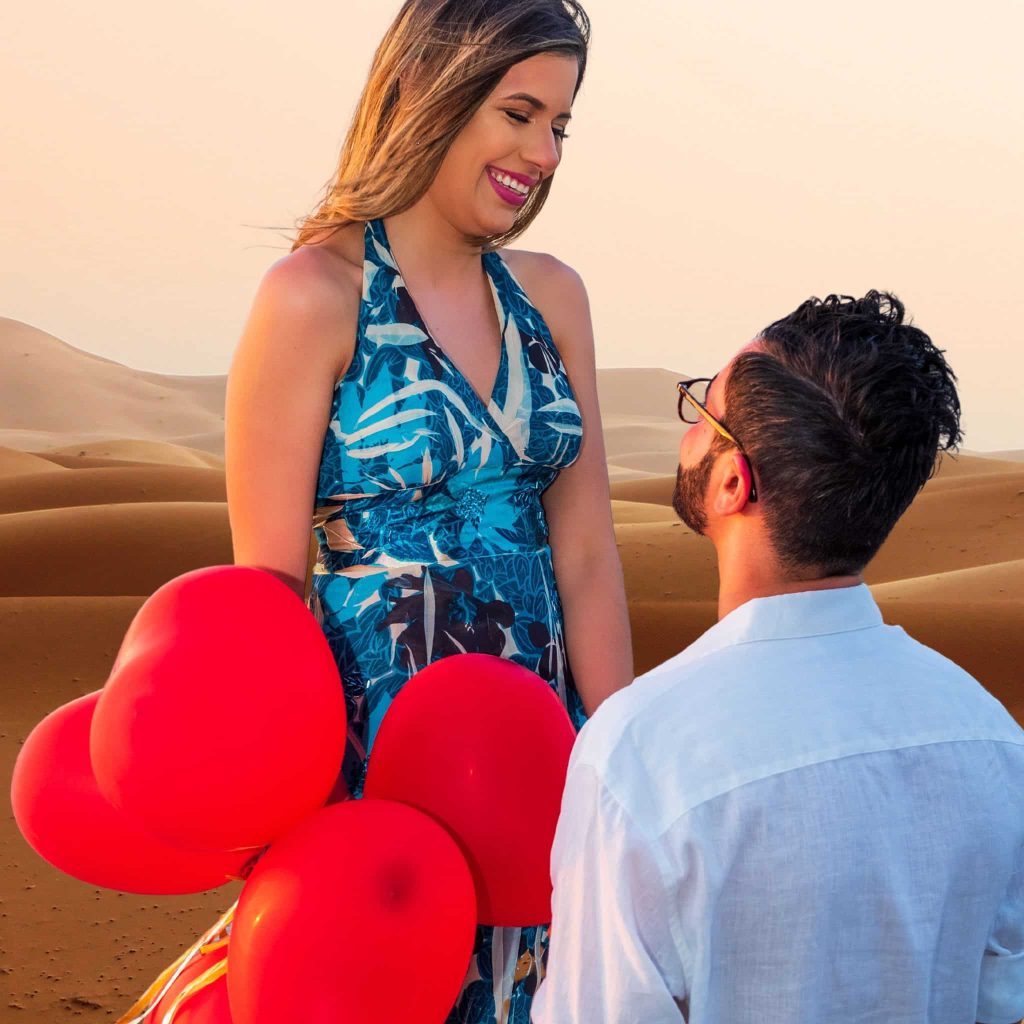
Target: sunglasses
{"points": [[693, 397]]}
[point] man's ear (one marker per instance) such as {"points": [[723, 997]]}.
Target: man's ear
{"points": [[732, 494]]}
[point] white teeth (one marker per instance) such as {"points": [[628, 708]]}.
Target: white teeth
{"points": [[512, 183]]}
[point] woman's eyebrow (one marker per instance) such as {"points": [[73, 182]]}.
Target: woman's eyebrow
{"points": [[537, 104]]}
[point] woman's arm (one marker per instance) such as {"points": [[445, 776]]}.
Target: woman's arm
{"points": [[298, 340], [578, 503]]}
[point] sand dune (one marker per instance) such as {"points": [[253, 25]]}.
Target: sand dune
{"points": [[665, 561], [965, 464], [621, 474], [953, 471], [109, 485], [627, 513], [163, 453], [650, 490], [639, 466], [1009, 455], [642, 429], [51, 391], [18, 464], [92, 521], [29, 627], [109, 549], [946, 530], [1000, 581], [665, 626]]}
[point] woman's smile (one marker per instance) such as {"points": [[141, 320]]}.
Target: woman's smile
{"points": [[512, 188]]}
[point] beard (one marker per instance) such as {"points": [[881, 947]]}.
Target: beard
{"points": [[688, 496]]}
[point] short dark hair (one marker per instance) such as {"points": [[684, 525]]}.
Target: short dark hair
{"points": [[843, 410]]}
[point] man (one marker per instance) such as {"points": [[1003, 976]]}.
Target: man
{"points": [[806, 816]]}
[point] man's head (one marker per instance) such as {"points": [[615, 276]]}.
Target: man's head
{"points": [[840, 409]]}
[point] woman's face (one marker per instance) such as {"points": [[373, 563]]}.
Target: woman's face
{"points": [[512, 143]]}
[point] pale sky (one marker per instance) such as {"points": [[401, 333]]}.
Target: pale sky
{"points": [[727, 160]]}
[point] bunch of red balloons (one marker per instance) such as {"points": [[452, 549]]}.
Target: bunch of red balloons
{"points": [[221, 731]]}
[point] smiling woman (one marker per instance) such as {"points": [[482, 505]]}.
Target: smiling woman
{"points": [[437, 64], [426, 400]]}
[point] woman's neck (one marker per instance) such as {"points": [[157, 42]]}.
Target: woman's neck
{"points": [[430, 250]]}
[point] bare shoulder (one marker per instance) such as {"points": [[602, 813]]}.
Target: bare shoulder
{"points": [[309, 300], [545, 276], [559, 293], [318, 278]]}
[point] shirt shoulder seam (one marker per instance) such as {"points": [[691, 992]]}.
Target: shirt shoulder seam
{"points": [[813, 764]]}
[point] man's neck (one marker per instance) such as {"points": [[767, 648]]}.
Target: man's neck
{"points": [[746, 575], [729, 600]]}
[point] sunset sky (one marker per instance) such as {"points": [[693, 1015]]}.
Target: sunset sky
{"points": [[726, 161]]}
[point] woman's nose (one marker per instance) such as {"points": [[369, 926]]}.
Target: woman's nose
{"points": [[543, 150]]}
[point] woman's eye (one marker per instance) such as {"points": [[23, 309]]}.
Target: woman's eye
{"points": [[557, 130]]}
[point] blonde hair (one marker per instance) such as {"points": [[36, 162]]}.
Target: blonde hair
{"points": [[436, 64]]}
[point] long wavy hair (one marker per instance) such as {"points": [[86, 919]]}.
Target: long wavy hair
{"points": [[434, 67]]}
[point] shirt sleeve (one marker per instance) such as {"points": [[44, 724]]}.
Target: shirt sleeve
{"points": [[612, 958], [1001, 990]]}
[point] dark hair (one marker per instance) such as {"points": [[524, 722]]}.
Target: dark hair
{"points": [[842, 410]]}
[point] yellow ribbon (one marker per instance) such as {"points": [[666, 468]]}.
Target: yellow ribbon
{"points": [[208, 977], [214, 938]]}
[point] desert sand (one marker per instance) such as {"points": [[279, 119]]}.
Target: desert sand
{"points": [[111, 483]]}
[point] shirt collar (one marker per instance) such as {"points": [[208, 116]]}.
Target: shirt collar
{"points": [[790, 616]]}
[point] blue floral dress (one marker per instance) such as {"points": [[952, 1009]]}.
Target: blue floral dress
{"points": [[432, 538]]}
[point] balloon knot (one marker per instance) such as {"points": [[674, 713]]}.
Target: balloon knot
{"points": [[247, 867]]}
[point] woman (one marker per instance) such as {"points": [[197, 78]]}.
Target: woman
{"points": [[411, 383]]}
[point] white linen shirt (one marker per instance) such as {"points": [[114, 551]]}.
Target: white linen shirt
{"points": [[806, 817]]}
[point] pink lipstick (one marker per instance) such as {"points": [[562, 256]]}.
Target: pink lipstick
{"points": [[514, 189]]}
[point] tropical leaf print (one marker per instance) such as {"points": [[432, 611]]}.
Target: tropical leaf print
{"points": [[432, 539]]}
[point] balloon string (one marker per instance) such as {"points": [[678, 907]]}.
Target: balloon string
{"points": [[246, 869], [155, 991], [159, 988], [208, 977]]}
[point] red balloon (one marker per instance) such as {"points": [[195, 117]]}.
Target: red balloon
{"points": [[223, 722], [207, 1006], [65, 819], [482, 745], [364, 913]]}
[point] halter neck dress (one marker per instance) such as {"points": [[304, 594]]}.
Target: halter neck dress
{"points": [[432, 539]]}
